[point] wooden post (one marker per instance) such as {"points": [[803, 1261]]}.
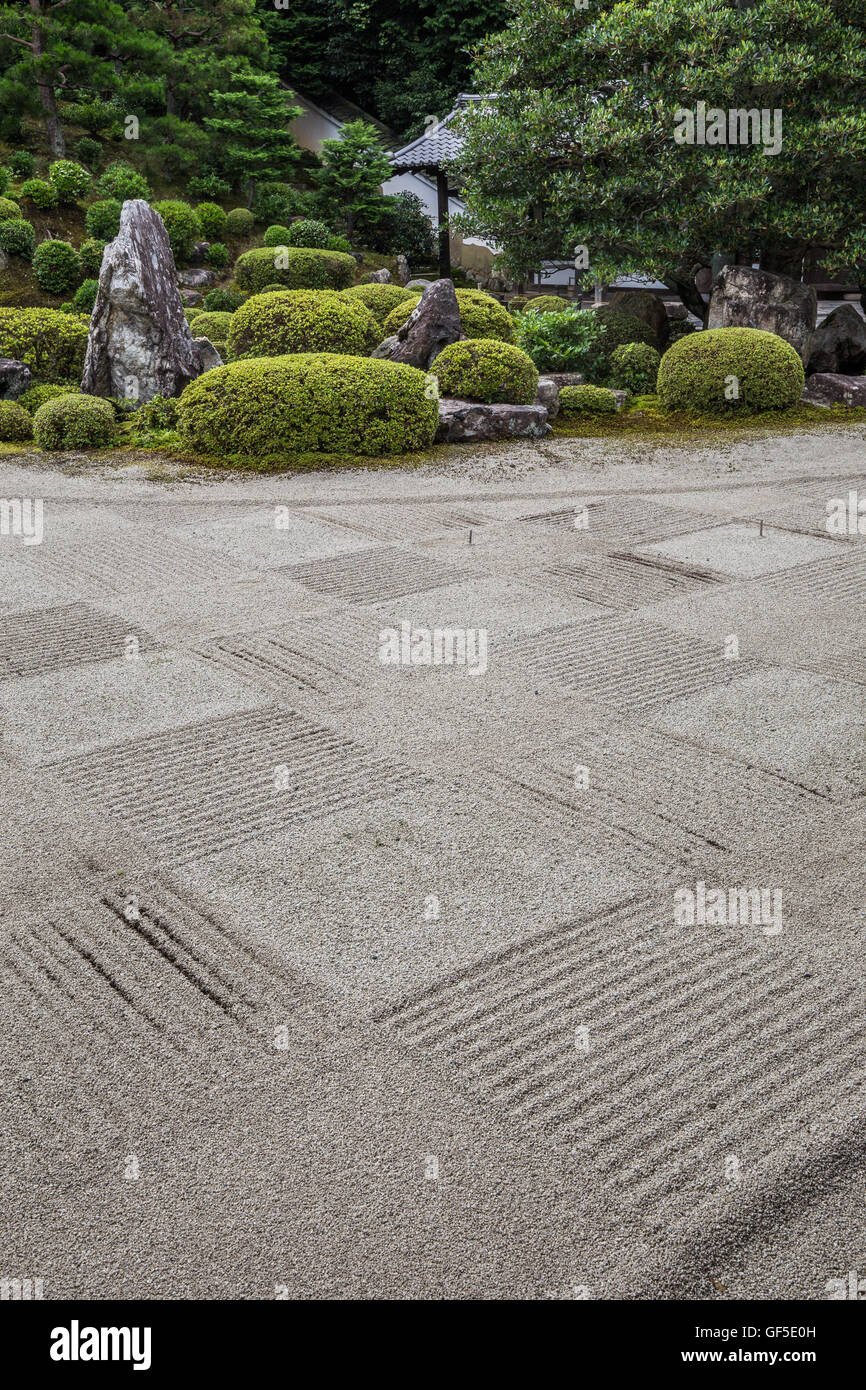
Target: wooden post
{"points": [[444, 242]]}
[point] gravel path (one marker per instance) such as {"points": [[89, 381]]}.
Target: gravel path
{"points": [[325, 976]]}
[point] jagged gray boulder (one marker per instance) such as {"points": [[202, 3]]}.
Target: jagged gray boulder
{"points": [[210, 358], [196, 279], [468, 422], [14, 378], [429, 328], [379, 277], [139, 340], [839, 343], [747, 298]]}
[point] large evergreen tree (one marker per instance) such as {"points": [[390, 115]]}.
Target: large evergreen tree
{"points": [[251, 129], [578, 146]]}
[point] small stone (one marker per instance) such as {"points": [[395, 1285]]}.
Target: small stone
{"points": [[196, 279], [402, 270], [548, 396], [561, 379], [210, 358], [379, 277], [14, 378]]}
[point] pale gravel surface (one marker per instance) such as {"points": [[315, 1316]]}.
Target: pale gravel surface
{"points": [[279, 1004]]}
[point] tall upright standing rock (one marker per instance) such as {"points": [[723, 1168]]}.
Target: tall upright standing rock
{"points": [[428, 329], [140, 344]]}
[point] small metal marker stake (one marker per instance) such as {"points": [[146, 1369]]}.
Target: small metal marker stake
{"points": [[470, 535], [761, 530]]}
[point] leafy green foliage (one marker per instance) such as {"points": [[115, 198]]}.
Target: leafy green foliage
{"points": [[41, 193], [212, 325], [9, 210], [319, 402], [563, 341], [380, 300], [218, 300], [35, 396], [302, 321], [84, 297], [618, 329], [90, 256], [75, 422], [217, 255], [120, 180], [725, 370], [89, 151], [401, 227], [211, 220], [56, 266], [251, 128], [545, 304], [22, 163], [239, 224], [294, 267], [485, 370], [349, 182], [276, 235], [306, 233]]}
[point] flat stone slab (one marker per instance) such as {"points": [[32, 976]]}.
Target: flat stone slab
{"points": [[470, 421], [834, 388], [742, 550], [561, 379]]}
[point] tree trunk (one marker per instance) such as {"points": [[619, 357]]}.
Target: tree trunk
{"points": [[684, 285], [53, 128], [444, 234]]}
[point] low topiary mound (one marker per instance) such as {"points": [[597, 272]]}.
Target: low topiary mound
{"points": [[586, 400], [214, 326], [56, 266], [545, 304], [308, 232], [217, 255], [122, 181], [17, 237], [102, 219], [90, 257], [52, 344], [70, 179], [380, 300], [8, 209], [312, 402], [182, 226], [75, 422], [211, 220], [270, 325], [481, 316], [41, 193], [294, 268], [239, 223], [634, 367], [727, 369], [482, 369], [35, 396], [84, 297], [276, 235], [15, 423], [618, 330]]}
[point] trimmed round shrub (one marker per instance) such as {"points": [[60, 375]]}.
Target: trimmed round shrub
{"points": [[214, 326], [50, 343], [483, 369], [70, 179], [271, 325], [193, 313], [545, 304], [90, 256], [9, 210], [84, 297], [122, 181], [702, 372], [218, 300], [15, 422], [181, 224], [276, 235], [35, 396], [211, 220], [587, 400], [75, 422], [103, 219], [217, 255], [17, 237], [41, 193], [294, 268], [307, 232], [22, 163], [380, 299], [89, 151], [634, 367], [680, 328], [481, 316], [618, 330], [56, 266], [239, 223], [311, 402]]}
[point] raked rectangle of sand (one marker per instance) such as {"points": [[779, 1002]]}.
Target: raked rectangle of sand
{"points": [[334, 965]]}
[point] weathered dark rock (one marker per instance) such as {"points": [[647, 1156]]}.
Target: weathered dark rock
{"points": [[190, 298], [548, 396], [14, 378], [747, 298], [196, 279], [465, 422], [839, 343], [210, 358], [402, 270], [644, 305], [832, 388], [199, 251], [429, 328], [379, 277], [561, 379], [139, 340]]}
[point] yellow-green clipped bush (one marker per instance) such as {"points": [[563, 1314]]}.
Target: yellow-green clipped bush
{"points": [[587, 400], [310, 402], [545, 304], [214, 326], [295, 268], [482, 369], [481, 316], [51, 343], [381, 299], [34, 396], [726, 369], [75, 422], [270, 325], [15, 423]]}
